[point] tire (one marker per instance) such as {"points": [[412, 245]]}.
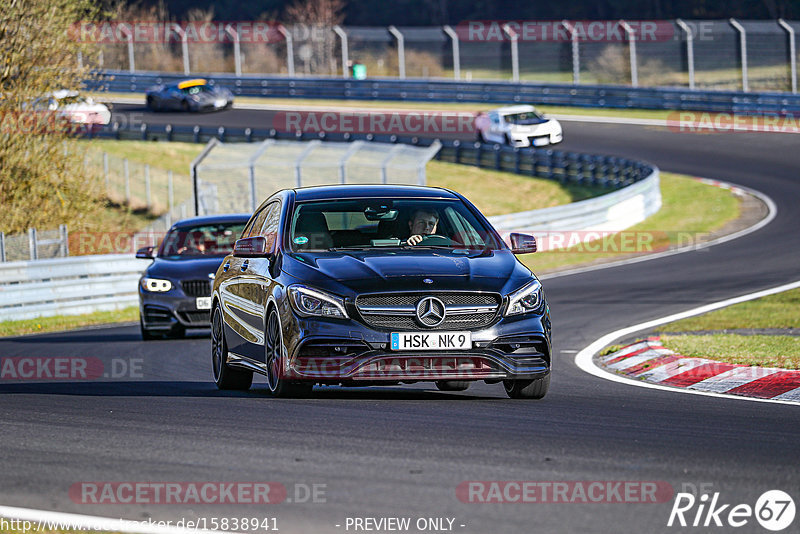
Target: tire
{"points": [[527, 389], [147, 335], [480, 137], [508, 140], [278, 385], [226, 377], [452, 385], [184, 105], [151, 103]]}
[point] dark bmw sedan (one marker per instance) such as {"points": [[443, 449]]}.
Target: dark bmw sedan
{"points": [[175, 290], [375, 285]]}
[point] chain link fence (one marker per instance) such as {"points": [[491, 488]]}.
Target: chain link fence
{"points": [[706, 54], [237, 177]]}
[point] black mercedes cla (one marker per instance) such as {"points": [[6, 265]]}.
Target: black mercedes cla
{"points": [[372, 285], [175, 290]]}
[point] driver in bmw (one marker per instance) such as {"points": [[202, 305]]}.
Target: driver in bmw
{"points": [[422, 223]]}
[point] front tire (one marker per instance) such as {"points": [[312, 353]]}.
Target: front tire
{"points": [[527, 389], [225, 376], [278, 384]]}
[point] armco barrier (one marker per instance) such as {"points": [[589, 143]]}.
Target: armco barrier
{"points": [[603, 96], [67, 286]]}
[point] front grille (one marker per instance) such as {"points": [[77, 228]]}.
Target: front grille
{"points": [[196, 288], [196, 317], [404, 317]]}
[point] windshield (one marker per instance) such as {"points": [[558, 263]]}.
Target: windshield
{"points": [[201, 240], [526, 118], [196, 89], [387, 223]]}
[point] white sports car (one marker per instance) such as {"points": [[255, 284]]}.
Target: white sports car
{"points": [[79, 109], [520, 126]]}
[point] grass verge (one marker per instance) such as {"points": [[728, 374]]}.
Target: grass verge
{"points": [[781, 310], [763, 351], [690, 210], [67, 322], [774, 311]]}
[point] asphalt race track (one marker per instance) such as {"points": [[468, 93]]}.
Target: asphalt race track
{"points": [[403, 451]]}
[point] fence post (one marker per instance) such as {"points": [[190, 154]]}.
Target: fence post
{"points": [[253, 204], [401, 51], [576, 58], [175, 27], [456, 53], [63, 246], [289, 48], [632, 43], [170, 199], [343, 36], [237, 52], [32, 244], [689, 50], [105, 168], [129, 38], [514, 51], [126, 172], [147, 184], [792, 53], [2, 247], [743, 50]]}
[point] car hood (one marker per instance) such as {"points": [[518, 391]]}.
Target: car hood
{"points": [[404, 270], [184, 268]]}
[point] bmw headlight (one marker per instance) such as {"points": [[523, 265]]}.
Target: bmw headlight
{"points": [[156, 285], [315, 303], [525, 300]]}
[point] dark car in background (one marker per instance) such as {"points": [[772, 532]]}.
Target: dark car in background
{"points": [[175, 290], [189, 95], [328, 286]]}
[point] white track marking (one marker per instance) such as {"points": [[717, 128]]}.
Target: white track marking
{"points": [[584, 359]]}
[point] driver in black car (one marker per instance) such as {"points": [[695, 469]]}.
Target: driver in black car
{"points": [[422, 223]]}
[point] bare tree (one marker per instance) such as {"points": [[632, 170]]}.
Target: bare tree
{"points": [[314, 20]]}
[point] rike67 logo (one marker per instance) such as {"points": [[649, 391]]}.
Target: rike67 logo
{"points": [[774, 510]]}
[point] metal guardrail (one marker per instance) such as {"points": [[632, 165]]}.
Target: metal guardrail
{"points": [[603, 96], [81, 284], [611, 212]]}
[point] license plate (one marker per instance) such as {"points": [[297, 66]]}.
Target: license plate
{"points": [[431, 341], [203, 303], [219, 103]]}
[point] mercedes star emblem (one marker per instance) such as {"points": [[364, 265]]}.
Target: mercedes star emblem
{"points": [[430, 311]]}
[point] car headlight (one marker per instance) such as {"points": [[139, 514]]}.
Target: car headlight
{"points": [[525, 300], [156, 285], [315, 303]]}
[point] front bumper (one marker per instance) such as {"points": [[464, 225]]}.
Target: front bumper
{"points": [[350, 352], [164, 311]]}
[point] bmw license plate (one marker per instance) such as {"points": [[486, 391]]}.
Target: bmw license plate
{"points": [[431, 341], [203, 303]]}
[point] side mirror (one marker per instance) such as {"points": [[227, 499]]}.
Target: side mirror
{"points": [[250, 247], [522, 243], [145, 253]]}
